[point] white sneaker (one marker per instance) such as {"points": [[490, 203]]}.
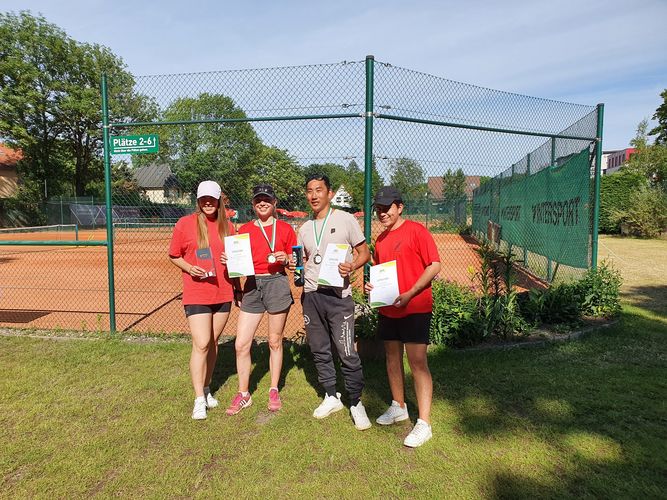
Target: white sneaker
{"points": [[329, 405], [199, 410], [395, 413], [419, 434], [211, 402], [359, 416]]}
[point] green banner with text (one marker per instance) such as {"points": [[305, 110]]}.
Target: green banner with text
{"points": [[547, 213]]}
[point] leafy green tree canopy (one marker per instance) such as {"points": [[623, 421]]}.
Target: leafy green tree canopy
{"points": [[661, 115], [453, 185], [50, 101], [408, 177], [223, 152]]}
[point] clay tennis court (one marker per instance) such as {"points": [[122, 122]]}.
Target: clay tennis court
{"points": [[57, 287]]}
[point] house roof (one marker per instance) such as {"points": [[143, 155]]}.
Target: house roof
{"points": [[435, 185], [153, 176], [9, 157]]}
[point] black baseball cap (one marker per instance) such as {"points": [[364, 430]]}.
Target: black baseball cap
{"points": [[387, 195], [263, 189]]}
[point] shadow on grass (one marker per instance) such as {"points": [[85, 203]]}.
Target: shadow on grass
{"points": [[293, 355], [651, 297], [592, 404]]}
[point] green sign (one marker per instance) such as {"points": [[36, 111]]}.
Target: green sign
{"points": [[134, 144], [547, 213]]}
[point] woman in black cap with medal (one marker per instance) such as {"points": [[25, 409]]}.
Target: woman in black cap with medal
{"points": [[271, 242]]}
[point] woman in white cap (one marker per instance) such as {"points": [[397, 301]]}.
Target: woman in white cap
{"points": [[268, 291], [195, 249]]}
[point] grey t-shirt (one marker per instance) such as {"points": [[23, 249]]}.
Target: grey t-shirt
{"points": [[341, 227]]}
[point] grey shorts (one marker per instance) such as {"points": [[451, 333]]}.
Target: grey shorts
{"points": [[266, 294]]}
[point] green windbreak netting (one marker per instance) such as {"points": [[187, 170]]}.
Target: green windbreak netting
{"points": [[546, 213]]}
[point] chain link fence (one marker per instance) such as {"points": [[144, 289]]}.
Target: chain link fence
{"points": [[472, 163]]}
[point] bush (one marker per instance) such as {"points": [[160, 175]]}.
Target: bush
{"points": [[646, 213], [498, 312], [24, 209], [615, 191], [454, 314], [600, 291], [365, 317], [559, 304]]}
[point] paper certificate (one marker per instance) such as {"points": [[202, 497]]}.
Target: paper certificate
{"points": [[239, 256], [384, 279], [335, 254]]}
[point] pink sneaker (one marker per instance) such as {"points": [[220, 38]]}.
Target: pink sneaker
{"points": [[274, 400], [239, 403]]}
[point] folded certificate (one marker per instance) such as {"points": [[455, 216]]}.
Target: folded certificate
{"points": [[334, 255], [205, 261], [239, 256], [384, 279]]}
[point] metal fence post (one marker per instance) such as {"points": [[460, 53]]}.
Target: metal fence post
{"points": [[553, 164], [596, 205], [368, 153], [107, 194]]}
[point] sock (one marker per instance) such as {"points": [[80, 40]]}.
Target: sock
{"points": [[331, 391], [354, 401], [245, 394], [207, 390], [200, 398], [272, 388]]}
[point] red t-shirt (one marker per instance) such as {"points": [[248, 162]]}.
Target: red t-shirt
{"points": [[285, 240], [413, 249], [215, 289]]}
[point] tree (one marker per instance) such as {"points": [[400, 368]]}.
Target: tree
{"points": [[661, 115], [453, 186], [408, 177], [336, 173], [49, 102], [276, 167], [223, 152], [649, 160], [357, 180]]}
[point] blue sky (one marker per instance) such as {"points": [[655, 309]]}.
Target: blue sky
{"points": [[584, 52]]}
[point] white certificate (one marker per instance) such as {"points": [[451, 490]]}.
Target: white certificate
{"points": [[239, 256], [335, 254], [384, 279]]}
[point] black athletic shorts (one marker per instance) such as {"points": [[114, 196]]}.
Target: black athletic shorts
{"points": [[412, 329], [191, 309]]}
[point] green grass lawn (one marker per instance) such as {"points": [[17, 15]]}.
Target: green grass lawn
{"points": [[106, 418], [585, 418]]}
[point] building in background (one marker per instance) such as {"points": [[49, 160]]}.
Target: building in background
{"points": [[9, 179], [159, 184], [435, 186], [342, 198], [612, 160]]}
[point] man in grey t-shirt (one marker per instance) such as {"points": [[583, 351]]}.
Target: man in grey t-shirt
{"points": [[328, 311]]}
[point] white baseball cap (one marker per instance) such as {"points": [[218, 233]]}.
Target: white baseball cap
{"points": [[209, 188]]}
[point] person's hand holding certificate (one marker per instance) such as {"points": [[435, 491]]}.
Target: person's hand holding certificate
{"points": [[384, 278], [334, 255], [239, 257]]}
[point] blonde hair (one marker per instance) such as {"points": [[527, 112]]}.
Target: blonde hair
{"points": [[221, 222]]}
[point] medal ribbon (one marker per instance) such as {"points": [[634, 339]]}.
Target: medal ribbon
{"points": [[272, 243], [318, 239]]}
